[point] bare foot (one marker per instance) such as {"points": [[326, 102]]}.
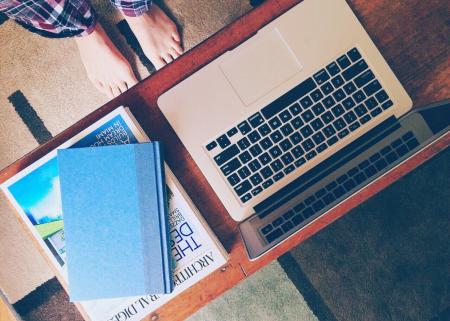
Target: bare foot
{"points": [[106, 68], [157, 35]]}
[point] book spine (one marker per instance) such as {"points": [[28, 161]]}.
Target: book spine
{"points": [[163, 217]]}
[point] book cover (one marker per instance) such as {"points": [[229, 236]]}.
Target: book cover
{"points": [[34, 193], [115, 214]]}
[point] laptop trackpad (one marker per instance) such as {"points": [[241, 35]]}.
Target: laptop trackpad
{"points": [[254, 69]]}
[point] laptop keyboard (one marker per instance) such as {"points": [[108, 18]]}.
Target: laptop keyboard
{"points": [[304, 122], [317, 201]]}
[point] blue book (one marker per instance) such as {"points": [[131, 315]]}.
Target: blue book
{"points": [[115, 213]]}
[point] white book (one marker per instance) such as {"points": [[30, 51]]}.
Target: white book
{"points": [[34, 193]]}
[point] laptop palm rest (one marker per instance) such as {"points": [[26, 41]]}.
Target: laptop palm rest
{"points": [[260, 65]]}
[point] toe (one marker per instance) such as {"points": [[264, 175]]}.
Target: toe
{"points": [[122, 85], [167, 58], [174, 53], [115, 90], [177, 47], [176, 36], [158, 62]]}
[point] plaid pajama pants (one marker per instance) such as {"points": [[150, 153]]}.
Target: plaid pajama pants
{"points": [[63, 18]]}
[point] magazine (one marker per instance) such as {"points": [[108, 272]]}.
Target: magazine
{"points": [[34, 193]]}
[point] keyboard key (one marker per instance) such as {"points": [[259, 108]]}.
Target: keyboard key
{"points": [[285, 116], [329, 131], [328, 102], [277, 165], [338, 192], [318, 109], [297, 151], [376, 112], [381, 96], [266, 229], [310, 200], [308, 145], [375, 157], [267, 183], [407, 136], [364, 164], [397, 143], [264, 129], [308, 212], [402, 150], [233, 131], [285, 144], [350, 117], [244, 172], [333, 140], [288, 215], [300, 162], [287, 158], [339, 95], [354, 126], [310, 155], [359, 96], [317, 124], [245, 157], [354, 54], [306, 131], [348, 103], [352, 171], [287, 226], [339, 124], [317, 206], [354, 70], [297, 219], [365, 119], [255, 150], [328, 199], [286, 129], [337, 110], [299, 207], [331, 186], [256, 120], [327, 117], [282, 102], [295, 109], [321, 148], [230, 167], [343, 61], [349, 185], [341, 179], [391, 157], [275, 151], [211, 145], [266, 143], [275, 122], [295, 138], [370, 171], [306, 102], [254, 136], [244, 127], [226, 155], [278, 176], [333, 69], [289, 169], [316, 95], [360, 110], [337, 81], [233, 179], [359, 178], [318, 138], [413, 143], [297, 122], [266, 172], [371, 103], [276, 136], [256, 190], [265, 159], [380, 164], [343, 133], [326, 88], [386, 150], [364, 78], [387, 104], [254, 165], [274, 235], [223, 141], [307, 116], [243, 143], [256, 179], [278, 221], [243, 188], [321, 76], [372, 88], [349, 88], [246, 197]]}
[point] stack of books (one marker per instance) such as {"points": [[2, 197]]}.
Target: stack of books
{"points": [[141, 269]]}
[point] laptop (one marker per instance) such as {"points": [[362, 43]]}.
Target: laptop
{"points": [[264, 114]]}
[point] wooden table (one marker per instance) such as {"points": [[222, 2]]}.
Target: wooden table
{"points": [[412, 35]]}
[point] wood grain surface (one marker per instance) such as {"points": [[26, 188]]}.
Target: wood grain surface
{"points": [[413, 36]]}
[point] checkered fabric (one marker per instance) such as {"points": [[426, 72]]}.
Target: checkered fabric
{"points": [[63, 18]]}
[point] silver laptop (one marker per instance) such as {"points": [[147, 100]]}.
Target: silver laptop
{"points": [[305, 86]]}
